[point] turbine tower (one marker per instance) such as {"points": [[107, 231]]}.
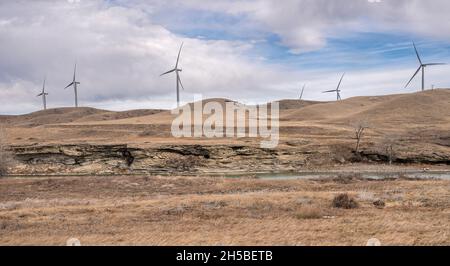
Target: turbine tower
{"points": [[44, 95], [421, 67], [177, 72], [338, 89], [75, 85], [303, 90]]}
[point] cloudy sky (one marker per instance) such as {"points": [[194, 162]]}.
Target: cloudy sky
{"points": [[246, 50]]}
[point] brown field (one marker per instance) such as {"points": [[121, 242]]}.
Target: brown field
{"points": [[189, 205], [155, 210], [313, 136], [420, 117]]}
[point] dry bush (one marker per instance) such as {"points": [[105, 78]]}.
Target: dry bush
{"points": [[379, 204], [344, 201], [310, 213], [390, 145]]}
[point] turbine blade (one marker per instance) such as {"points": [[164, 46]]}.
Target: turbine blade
{"points": [[415, 74], [179, 81], [168, 72], [69, 85], [178, 58], [435, 64], [329, 91], [417, 53], [340, 81], [303, 90], [40, 94], [43, 86], [74, 72]]}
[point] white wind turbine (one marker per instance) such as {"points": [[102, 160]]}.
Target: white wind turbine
{"points": [[421, 67], [44, 95], [75, 84], [178, 80], [338, 89]]}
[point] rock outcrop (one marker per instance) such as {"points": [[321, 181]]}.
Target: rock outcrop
{"points": [[119, 159], [191, 159]]}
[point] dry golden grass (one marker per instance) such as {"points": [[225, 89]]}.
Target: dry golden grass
{"points": [[217, 211], [420, 116]]}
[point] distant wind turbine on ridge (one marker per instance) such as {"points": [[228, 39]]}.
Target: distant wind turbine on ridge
{"points": [[421, 67], [303, 90], [178, 80], [44, 95], [75, 85], [338, 89]]}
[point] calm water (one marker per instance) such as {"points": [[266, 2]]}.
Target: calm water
{"points": [[366, 175]]}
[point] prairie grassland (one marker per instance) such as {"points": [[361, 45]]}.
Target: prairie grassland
{"points": [[217, 211]]}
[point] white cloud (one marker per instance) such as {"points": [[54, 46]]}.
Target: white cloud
{"points": [[121, 51], [305, 25]]}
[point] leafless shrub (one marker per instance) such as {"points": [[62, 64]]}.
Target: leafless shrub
{"points": [[390, 146], [360, 126], [344, 201]]}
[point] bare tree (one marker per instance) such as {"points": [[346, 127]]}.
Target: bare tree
{"points": [[389, 144], [360, 127]]}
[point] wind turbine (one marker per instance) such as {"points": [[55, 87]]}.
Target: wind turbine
{"points": [[337, 90], [303, 90], [75, 85], [177, 70], [44, 95], [421, 67]]}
